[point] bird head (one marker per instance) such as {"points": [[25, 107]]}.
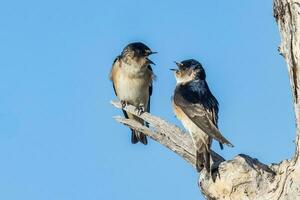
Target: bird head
{"points": [[189, 70], [137, 53]]}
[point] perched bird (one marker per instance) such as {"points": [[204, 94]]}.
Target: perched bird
{"points": [[132, 78], [197, 109]]}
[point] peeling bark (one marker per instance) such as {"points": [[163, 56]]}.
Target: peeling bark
{"points": [[240, 178], [287, 15], [243, 177]]}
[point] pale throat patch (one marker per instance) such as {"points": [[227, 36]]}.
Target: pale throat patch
{"points": [[183, 79], [134, 69]]}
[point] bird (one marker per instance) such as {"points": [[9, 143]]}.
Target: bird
{"points": [[196, 107], [132, 78]]}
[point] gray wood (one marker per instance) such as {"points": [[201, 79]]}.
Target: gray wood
{"points": [[243, 177]]}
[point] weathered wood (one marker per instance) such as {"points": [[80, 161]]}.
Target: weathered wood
{"points": [[165, 133], [287, 15], [243, 177], [234, 176]]}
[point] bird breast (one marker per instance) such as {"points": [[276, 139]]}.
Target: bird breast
{"points": [[132, 86]]}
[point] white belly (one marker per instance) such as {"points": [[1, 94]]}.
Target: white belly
{"points": [[133, 90], [198, 136]]}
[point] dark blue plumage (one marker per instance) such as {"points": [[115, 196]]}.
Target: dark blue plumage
{"points": [[138, 48], [197, 108], [132, 77], [191, 63], [197, 91]]}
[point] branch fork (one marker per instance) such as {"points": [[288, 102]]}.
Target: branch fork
{"points": [[243, 177]]}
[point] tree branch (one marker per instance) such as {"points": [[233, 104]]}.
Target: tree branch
{"points": [[233, 176], [287, 15], [165, 133], [243, 177]]}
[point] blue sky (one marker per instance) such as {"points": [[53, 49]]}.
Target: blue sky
{"points": [[58, 140]]}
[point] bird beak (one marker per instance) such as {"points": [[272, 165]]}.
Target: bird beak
{"points": [[150, 61], [173, 69], [179, 65], [150, 53]]}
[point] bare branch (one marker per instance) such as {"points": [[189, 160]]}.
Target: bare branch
{"points": [[287, 14], [165, 133], [243, 177], [233, 176]]}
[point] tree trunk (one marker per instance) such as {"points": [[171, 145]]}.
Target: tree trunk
{"points": [[243, 177]]}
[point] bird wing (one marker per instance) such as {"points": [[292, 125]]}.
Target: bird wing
{"points": [[150, 89], [111, 78], [111, 73], [203, 114], [150, 93]]}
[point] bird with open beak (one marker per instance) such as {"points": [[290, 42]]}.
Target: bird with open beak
{"points": [[197, 109], [132, 77]]}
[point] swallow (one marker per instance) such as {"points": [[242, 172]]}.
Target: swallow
{"points": [[196, 107], [132, 78]]}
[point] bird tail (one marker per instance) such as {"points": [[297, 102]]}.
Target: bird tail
{"points": [[221, 146], [203, 159], [137, 136]]}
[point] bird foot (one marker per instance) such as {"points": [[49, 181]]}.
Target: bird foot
{"points": [[214, 171], [124, 103], [199, 168], [140, 109]]}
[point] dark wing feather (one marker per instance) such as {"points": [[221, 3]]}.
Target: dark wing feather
{"points": [[116, 59], [197, 102], [214, 109], [150, 93], [124, 112], [150, 89], [114, 88]]}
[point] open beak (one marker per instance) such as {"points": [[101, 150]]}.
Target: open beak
{"points": [[150, 61], [149, 52], [179, 64]]}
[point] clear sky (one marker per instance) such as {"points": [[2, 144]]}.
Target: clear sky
{"points": [[58, 140]]}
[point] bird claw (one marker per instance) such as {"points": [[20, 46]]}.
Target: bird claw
{"points": [[123, 103], [199, 168], [140, 109], [214, 172]]}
